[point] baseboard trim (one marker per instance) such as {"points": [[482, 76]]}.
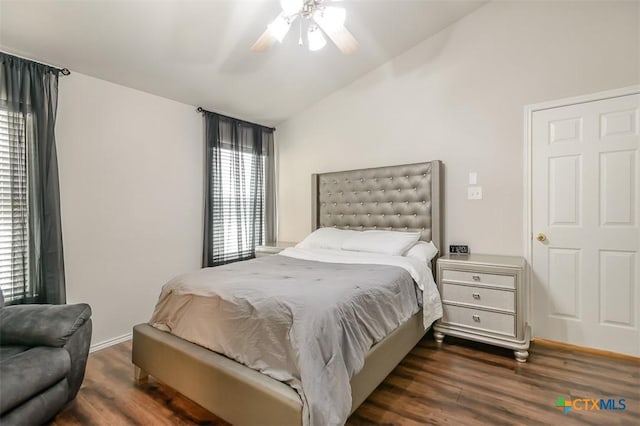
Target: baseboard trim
{"points": [[586, 349], [110, 342]]}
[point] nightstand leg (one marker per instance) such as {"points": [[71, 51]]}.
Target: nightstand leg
{"points": [[139, 375], [438, 336], [521, 356]]}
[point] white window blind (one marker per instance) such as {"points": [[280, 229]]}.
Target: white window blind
{"points": [[14, 233], [242, 176]]}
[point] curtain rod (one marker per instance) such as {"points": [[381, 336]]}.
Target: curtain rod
{"points": [[63, 71], [202, 110]]}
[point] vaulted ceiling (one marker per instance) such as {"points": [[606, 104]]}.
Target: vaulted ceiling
{"points": [[197, 52]]}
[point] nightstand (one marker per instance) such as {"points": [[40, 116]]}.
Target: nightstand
{"points": [[268, 249], [484, 299]]}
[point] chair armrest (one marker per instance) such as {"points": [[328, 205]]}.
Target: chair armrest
{"points": [[41, 325]]}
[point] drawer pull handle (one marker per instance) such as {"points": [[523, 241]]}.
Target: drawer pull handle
{"points": [[476, 296], [476, 277], [476, 318]]}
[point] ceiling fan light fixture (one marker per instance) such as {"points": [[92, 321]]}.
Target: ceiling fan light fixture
{"points": [[279, 28], [322, 21], [291, 7], [315, 38]]}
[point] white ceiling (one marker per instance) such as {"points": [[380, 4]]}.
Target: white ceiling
{"points": [[197, 52]]}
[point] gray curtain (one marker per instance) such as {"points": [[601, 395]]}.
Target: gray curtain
{"points": [[28, 100], [240, 189]]}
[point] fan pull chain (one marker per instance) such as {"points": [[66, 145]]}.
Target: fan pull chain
{"points": [[300, 39]]}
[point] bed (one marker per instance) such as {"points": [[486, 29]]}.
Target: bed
{"points": [[401, 198]]}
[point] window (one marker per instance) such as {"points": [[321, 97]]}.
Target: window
{"points": [[242, 211], [239, 213], [14, 206]]}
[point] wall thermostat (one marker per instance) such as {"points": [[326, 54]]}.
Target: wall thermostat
{"points": [[458, 249]]}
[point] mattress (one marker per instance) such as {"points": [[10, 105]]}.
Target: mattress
{"points": [[307, 323]]}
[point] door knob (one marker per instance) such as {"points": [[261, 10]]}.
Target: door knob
{"points": [[540, 236]]}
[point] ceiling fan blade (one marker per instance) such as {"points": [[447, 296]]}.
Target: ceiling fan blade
{"points": [[342, 38], [264, 42]]}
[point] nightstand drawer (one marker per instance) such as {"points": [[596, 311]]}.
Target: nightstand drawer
{"points": [[480, 320], [478, 278], [478, 296]]}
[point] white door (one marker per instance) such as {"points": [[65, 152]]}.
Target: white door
{"points": [[585, 195]]}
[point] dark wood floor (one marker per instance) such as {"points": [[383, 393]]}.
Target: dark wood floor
{"points": [[459, 383]]}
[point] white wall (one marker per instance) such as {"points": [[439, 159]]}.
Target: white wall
{"points": [[459, 97], [131, 183]]}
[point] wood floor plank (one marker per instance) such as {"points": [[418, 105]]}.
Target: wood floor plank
{"points": [[457, 383]]}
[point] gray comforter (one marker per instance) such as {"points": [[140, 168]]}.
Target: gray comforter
{"points": [[306, 323]]}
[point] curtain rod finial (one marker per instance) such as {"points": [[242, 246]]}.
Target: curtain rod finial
{"points": [[65, 71]]}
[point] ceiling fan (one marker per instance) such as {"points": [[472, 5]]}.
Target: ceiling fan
{"points": [[319, 18]]}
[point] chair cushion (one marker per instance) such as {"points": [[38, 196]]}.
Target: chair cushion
{"points": [[7, 351], [38, 410], [28, 373]]}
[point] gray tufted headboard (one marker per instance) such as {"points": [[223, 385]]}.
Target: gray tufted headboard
{"points": [[399, 198]]}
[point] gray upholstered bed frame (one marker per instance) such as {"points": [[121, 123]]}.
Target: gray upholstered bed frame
{"points": [[405, 197]]}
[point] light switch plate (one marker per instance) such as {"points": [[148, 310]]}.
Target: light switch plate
{"points": [[473, 178], [474, 193]]}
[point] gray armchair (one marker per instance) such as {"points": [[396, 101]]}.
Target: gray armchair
{"points": [[43, 355]]}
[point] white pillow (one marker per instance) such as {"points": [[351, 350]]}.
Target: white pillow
{"points": [[393, 243], [326, 238], [423, 251]]}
